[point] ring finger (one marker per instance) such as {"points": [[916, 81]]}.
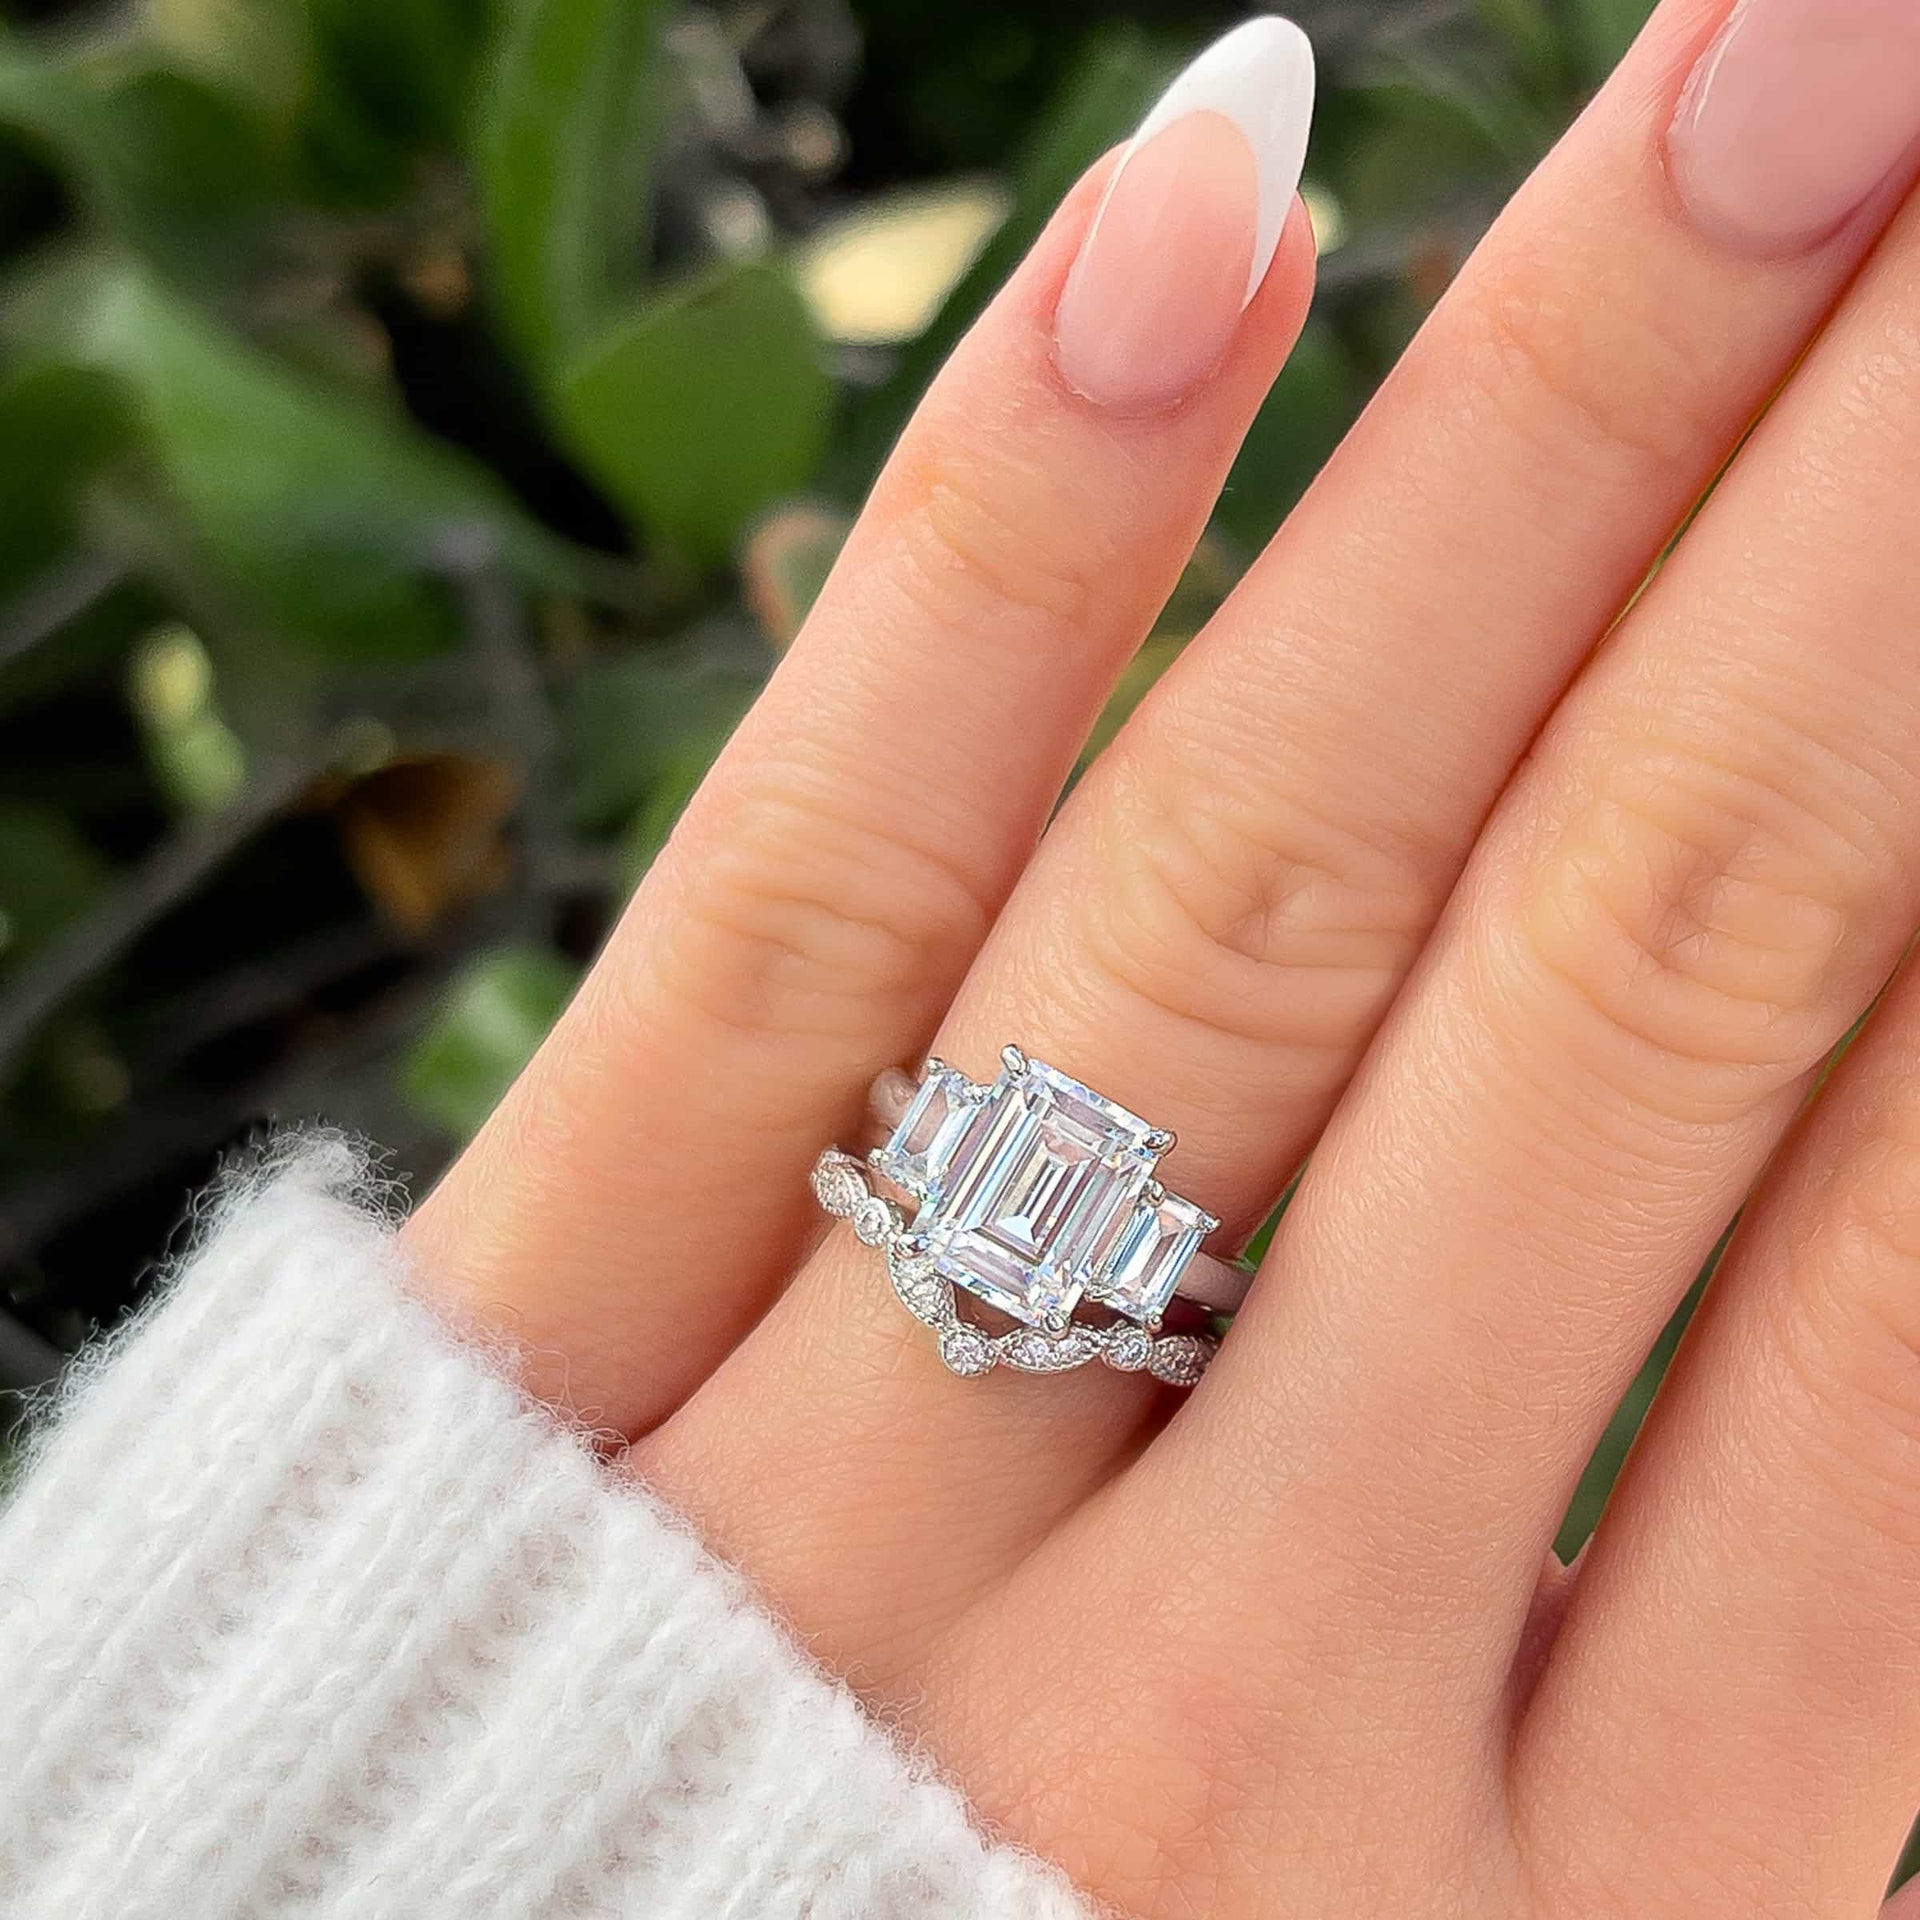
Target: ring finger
{"points": [[817, 905]]}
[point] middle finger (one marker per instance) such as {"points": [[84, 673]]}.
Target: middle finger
{"points": [[1708, 868]]}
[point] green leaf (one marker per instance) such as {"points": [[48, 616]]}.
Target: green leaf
{"points": [[1312, 404], [390, 87], [169, 165], [260, 48], [497, 1011], [704, 406], [49, 875], [1415, 151], [408, 65], [564, 135], [1137, 680], [1459, 101], [57, 425], [1603, 1469], [49, 98], [1604, 30], [624, 725], [1530, 29], [326, 510]]}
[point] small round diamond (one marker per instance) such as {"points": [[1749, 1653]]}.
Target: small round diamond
{"points": [[1129, 1349], [909, 1259], [966, 1350], [875, 1221]]}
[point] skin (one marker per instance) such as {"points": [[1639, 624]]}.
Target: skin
{"points": [[1539, 943]]}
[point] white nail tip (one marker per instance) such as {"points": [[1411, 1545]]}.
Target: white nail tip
{"points": [[1260, 76]]}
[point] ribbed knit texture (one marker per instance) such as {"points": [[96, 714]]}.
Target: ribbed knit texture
{"points": [[305, 1611]]}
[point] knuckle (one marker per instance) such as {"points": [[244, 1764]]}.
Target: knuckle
{"points": [[1237, 909], [1562, 367], [973, 538], [1703, 912], [1877, 1208], [807, 918]]}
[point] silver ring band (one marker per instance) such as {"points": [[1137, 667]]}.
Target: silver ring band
{"points": [[1035, 1197]]}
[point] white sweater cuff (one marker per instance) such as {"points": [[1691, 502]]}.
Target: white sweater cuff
{"points": [[304, 1610]]}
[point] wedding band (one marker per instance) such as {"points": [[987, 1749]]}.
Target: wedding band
{"points": [[1034, 1196]]}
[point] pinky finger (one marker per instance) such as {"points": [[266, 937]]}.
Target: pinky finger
{"points": [[1739, 1673]]}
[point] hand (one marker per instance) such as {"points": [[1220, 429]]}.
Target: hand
{"points": [[1542, 941]]}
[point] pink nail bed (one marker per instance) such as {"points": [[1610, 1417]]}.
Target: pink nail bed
{"points": [[1152, 305], [1795, 116], [1191, 218]]}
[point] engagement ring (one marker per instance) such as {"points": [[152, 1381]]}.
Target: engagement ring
{"points": [[1037, 1198]]}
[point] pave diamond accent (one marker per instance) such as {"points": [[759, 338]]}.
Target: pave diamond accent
{"points": [[837, 1184], [1032, 1351], [1036, 1192], [1180, 1359], [875, 1221], [921, 1291]]}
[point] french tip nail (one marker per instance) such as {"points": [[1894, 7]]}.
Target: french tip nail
{"points": [[1189, 224], [1260, 75]]}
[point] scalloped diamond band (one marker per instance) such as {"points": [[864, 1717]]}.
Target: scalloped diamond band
{"points": [[1035, 1195]]}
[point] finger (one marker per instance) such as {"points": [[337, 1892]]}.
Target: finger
{"points": [[1239, 890], [827, 887], [1210, 932], [1745, 1630], [1702, 876]]}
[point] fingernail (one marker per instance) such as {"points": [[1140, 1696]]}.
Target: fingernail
{"points": [[1795, 115], [1189, 224]]}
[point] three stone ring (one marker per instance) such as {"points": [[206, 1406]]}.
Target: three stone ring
{"points": [[1037, 1198]]}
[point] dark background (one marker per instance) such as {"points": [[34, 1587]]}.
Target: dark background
{"points": [[422, 422]]}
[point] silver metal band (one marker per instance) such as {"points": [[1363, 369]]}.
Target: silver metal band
{"points": [[1037, 1197]]}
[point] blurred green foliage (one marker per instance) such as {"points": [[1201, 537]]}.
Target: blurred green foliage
{"points": [[421, 425]]}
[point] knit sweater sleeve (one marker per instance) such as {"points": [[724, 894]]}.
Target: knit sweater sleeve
{"points": [[305, 1611]]}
